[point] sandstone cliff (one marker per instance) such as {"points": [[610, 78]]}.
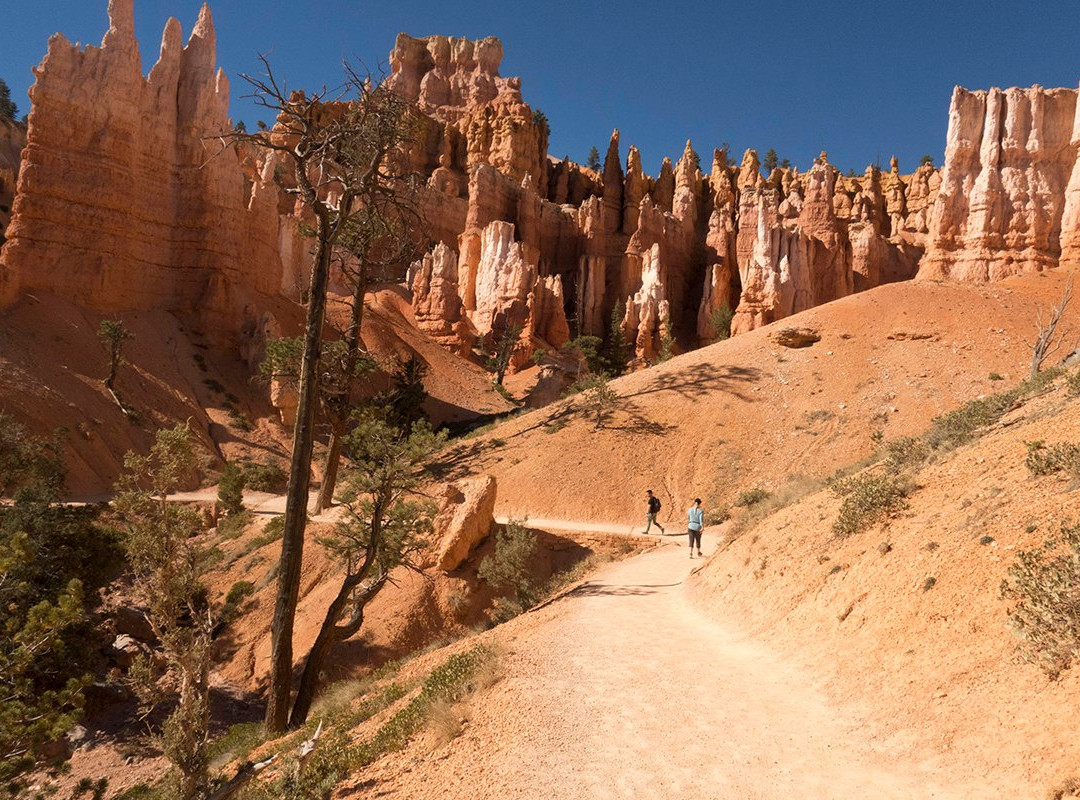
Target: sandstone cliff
{"points": [[1009, 156], [12, 141], [123, 201]]}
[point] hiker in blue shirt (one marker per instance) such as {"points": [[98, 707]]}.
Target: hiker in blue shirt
{"points": [[695, 522]]}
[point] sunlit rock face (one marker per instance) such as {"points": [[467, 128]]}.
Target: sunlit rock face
{"points": [[123, 199], [1010, 157]]}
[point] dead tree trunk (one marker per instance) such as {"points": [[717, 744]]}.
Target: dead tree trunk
{"points": [[1045, 344], [339, 415], [292, 540]]}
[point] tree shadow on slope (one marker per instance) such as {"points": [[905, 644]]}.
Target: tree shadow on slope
{"points": [[464, 459], [703, 380]]}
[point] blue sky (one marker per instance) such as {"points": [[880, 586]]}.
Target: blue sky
{"points": [[863, 80]]}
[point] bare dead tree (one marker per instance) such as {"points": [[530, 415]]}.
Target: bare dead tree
{"points": [[378, 246], [340, 145], [1049, 339]]}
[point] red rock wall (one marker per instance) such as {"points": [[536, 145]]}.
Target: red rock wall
{"points": [[1009, 156], [121, 202], [12, 141]]}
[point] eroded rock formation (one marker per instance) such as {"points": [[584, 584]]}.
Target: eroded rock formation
{"points": [[120, 205], [120, 202], [1009, 157], [12, 141]]}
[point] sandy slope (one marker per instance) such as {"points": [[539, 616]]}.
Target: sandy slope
{"points": [[623, 689], [747, 412], [917, 629]]}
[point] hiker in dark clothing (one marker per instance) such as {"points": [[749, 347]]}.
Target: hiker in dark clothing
{"points": [[654, 509]]}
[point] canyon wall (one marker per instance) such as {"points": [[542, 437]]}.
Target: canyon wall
{"points": [[124, 201], [672, 251], [1010, 189], [12, 141]]}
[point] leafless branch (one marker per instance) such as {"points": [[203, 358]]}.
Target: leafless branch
{"points": [[1049, 340]]}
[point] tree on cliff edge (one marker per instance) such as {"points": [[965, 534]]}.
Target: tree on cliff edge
{"points": [[8, 109], [342, 146]]}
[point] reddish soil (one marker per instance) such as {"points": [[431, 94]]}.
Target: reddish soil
{"points": [[747, 412]]}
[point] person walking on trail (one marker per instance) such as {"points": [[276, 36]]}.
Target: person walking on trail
{"points": [[695, 522], [654, 509]]}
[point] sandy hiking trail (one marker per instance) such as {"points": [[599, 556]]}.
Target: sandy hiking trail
{"points": [[622, 689]]}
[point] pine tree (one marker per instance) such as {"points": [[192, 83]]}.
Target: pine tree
{"points": [[770, 161], [8, 109], [593, 161]]}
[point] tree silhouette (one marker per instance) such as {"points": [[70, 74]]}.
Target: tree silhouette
{"points": [[8, 109]]}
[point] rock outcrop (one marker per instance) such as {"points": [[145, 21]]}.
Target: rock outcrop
{"points": [[437, 305], [120, 204], [12, 141], [1009, 157], [121, 201], [466, 517]]}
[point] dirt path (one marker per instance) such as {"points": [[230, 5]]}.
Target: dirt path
{"points": [[622, 690]]}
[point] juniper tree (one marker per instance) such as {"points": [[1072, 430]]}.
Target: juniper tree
{"points": [[167, 564], [383, 528]]}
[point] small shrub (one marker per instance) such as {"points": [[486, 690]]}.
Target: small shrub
{"points": [[264, 477], [985, 540], [720, 321], [507, 568], [1072, 384], [237, 418], [717, 516], [868, 498], [751, 497], [598, 399], [233, 525], [239, 592], [1047, 460], [497, 442], [906, 452], [958, 427], [538, 356], [231, 489], [214, 385], [929, 583], [995, 377], [1044, 587]]}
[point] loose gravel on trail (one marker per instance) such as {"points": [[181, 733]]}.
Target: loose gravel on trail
{"points": [[622, 689]]}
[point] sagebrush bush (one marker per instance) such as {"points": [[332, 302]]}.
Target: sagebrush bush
{"points": [[869, 497], [751, 497], [1044, 585], [1045, 459]]}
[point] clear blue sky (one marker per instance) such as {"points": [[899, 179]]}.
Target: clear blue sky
{"points": [[863, 80]]}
